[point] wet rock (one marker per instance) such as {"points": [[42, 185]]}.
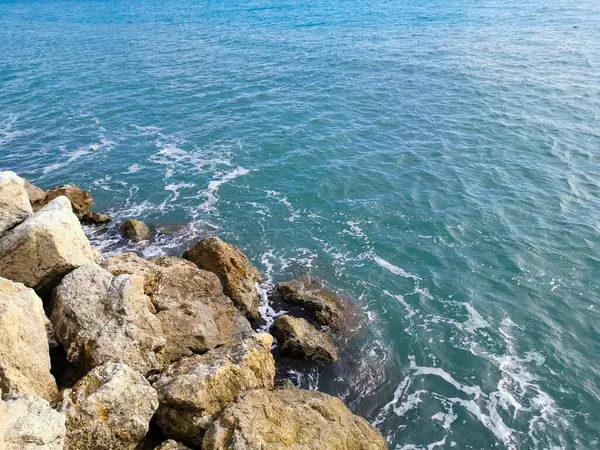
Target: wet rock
{"points": [[14, 202], [81, 201], [299, 339], [45, 247], [24, 351], [98, 317], [34, 193], [94, 218], [188, 301], [31, 424], [135, 230], [311, 295], [171, 445], [110, 408], [290, 419], [239, 277], [194, 390]]}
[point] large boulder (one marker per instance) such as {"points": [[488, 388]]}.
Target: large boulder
{"points": [[98, 317], [135, 230], [299, 339], [81, 201], [34, 193], [110, 408], [290, 419], [24, 352], [194, 390], [311, 295], [31, 424], [239, 277], [45, 247], [189, 303], [14, 202]]}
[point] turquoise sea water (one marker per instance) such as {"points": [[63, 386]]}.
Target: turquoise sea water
{"points": [[437, 162]]}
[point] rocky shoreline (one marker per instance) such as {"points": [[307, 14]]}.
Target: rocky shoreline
{"points": [[123, 352]]}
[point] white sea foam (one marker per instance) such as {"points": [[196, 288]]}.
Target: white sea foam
{"points": [[211, 192], [134, 168], [394, 269]]}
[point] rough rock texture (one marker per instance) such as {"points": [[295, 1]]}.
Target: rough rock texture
{"points": [[300, 339], [290, 419], [46, 246], [95, 218], [31, 424], [98, 317], [34, 193], [171, 445], [239, 277], [14, 202], [110, 408], [311, 296], [81, 200], [135, 230], [194, 314], [195, 389], [24, 352]]}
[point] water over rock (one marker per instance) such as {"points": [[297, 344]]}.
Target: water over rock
{"points": [[290, 419], [299, 339], [194, 390], [110, 408], [24, 351], [29, 423], [239, 277], [46, 246], [14, 201]]}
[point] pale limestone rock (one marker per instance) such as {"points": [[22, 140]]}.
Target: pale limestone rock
{"points": [[98, 317], [24, 352], [290, 419], [239, 277], [194, 390], [195, 316], [31, 424], [45, 247], [299, 339], [110, 408], [14, 202], [34, 193]]}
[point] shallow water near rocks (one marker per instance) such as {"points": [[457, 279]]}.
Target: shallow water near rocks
{"points": [[435, 162]]}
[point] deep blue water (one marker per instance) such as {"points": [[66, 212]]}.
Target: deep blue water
{"points": [[437, 162]]}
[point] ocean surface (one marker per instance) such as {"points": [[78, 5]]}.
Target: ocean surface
{"points": [[435, 162]]}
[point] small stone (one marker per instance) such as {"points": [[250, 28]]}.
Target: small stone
{"points": [[194, 390], [239, 277], [172, 445], [135, 230], [95, 218], [110, 408], [14, 202], [81, 201], [24, 350], [298, 338], [290, 419], [31, 424]]}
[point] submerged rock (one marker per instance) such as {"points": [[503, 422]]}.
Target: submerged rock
{"points": [[45, 247], [311, 295], [98, 317], [188, 301], [194, 390], [298, 338], [29, 423], [239, 277], [14, 202], [290, 419], [110, 408], [24, 351], [81, 201], [135, 230]]}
